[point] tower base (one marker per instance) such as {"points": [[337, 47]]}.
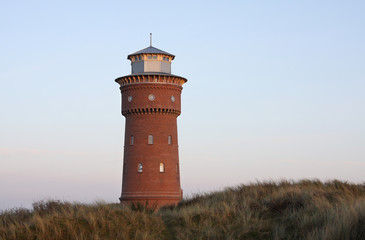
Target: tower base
{"points": [[153, 202]]}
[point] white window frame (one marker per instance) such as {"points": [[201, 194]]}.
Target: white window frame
{"points": [[150, 139], [162, 167]]}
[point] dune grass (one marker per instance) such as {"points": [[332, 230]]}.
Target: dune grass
{"points": [[307, 209]]}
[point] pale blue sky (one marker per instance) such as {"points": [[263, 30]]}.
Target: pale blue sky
{"points": [[276, 90]]}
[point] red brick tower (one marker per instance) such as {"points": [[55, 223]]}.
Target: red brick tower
{"points": [[151, 105]]}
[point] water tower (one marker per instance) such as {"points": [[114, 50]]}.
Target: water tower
{"points": [[151, 103]]}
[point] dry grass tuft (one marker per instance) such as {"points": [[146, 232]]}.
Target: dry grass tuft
{"points": [[307, 209]]}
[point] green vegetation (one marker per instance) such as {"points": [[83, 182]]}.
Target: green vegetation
{"points": [[270, 210]]}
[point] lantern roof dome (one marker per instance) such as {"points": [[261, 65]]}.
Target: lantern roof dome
{"points": [[150, 50]]}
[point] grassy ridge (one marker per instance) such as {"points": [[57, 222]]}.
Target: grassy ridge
{"points": [[269, 210]]}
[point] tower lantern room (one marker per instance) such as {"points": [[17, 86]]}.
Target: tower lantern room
{"points": [[151, 59]]}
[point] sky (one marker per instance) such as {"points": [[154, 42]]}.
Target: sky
{"points": [[276, 90]]}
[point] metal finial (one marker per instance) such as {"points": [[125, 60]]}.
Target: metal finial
{"points": [[151, 39]]}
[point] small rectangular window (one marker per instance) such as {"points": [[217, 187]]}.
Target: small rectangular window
{"points": [[154, 57], [131, 141], [150, 139], [169, 140], [140, 58], [149, 57], [140, 167], [167, 59], [164, 58], [162, 167]]}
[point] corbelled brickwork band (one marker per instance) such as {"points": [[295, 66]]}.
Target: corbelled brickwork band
{"points": [[150, 111], [151, 78]]}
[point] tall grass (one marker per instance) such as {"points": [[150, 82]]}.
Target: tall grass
{"points": [[58, 220], [268, 210]]}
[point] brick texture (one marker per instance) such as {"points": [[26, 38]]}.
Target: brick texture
{"points": [[157, 116]]}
